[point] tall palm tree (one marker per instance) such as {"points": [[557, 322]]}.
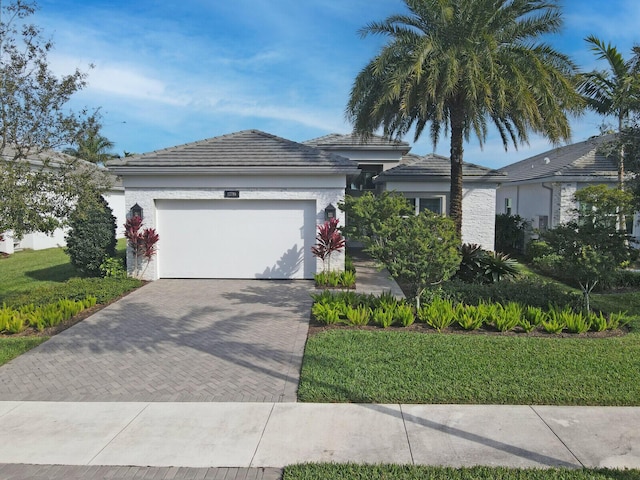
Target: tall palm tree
{"points": [[458, 65], [615, 91]]}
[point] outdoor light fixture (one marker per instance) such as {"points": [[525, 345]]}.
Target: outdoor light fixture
{"points": [[136, 211], [329, 212]]}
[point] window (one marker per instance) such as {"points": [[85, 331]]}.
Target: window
{"points": [[508, 206], [435, 203], [364, 180]]}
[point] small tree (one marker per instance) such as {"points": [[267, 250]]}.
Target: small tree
{"points": [[92, 235], [142, 244], [419, 251], [329, 240]]}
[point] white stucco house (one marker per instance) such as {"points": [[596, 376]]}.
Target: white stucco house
{"points": [[243, 205], [541, 188], [40, 241]]}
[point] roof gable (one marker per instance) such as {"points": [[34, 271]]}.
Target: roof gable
{"points": [[245, 149], [434, 167], [578, 159]]}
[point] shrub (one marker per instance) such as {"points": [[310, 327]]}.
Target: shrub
{"points": [[348, 279], [510, 233], [538, 249], [403, 315], [554, 322], [358, 316], [508, 316], [531, 318], [597, 322], [383, 317], [470, 317], [576, 322], [326, 313], [438, 314], [482, 266], [92, 235], [618, 320], [113, 267]]}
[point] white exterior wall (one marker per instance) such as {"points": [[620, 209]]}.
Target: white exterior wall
{"points": [[478, 207], [324, 190], [479, 215], [115, 199]]}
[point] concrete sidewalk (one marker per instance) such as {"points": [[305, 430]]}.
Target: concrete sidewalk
{"points": [[243, 435]]}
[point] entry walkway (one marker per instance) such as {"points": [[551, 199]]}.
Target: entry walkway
{"points": [[273, 435], [372, 279]]}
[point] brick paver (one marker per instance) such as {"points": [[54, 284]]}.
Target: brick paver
{"points": [[60, 472], [175, 340]]}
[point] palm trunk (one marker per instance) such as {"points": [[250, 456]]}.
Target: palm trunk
{"points": [[622, 221], [457, 137]]}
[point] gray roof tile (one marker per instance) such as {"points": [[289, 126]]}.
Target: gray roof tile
{"points": [[578, 159], [434, 167], [248, 148], [350, 141]]}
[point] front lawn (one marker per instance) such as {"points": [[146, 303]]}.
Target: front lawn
{"points": [[404, 367], [326, 471], [11, 347]]}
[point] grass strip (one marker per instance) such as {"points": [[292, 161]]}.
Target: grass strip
{"points": [[11, 347], [326, 471], [406, 367]]}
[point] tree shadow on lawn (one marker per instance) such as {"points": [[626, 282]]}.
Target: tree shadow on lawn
{"points": [[57, 273], [159, 343]]}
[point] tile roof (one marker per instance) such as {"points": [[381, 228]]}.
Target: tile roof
{"points": [[434, 167], [248, 148], [340, 141], [578, 159]]}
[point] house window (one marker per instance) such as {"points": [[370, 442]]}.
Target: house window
{"points": [[364, 180], [508, 206], [435, 204]]}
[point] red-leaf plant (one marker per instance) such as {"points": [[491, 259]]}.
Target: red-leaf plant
{"points": [[142, 244], [329, 240]]}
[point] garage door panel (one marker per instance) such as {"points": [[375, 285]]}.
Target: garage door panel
{"points": [[235, 239]]}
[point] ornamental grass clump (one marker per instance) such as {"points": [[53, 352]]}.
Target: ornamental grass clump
{"points": [[470, 317], [358, 316], [531, 318], [403, 315], [507, 317], [383, 317], [439, 314]]}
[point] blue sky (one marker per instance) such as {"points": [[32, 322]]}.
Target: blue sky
{"points": [[168, 73]]}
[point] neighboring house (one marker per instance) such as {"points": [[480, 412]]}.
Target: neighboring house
{"points": [[244, 205], [426, 181], [41, 241], [541, 188]]}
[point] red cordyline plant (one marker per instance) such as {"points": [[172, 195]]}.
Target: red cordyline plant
{"points": [[143, 244], [329, 240]]}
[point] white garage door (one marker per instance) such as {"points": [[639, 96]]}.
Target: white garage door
{"points": [[236, 238]]}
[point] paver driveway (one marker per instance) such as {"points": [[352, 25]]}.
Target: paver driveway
{"points": [[175, 340]]}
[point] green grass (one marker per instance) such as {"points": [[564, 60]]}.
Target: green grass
{"points": [[11, 347], [45, 276], [406, 367], [325, 471]]}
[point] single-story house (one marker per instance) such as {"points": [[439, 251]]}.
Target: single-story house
{"points": [[243, 205], [541, 188], [41, 241], [247, 204], [426, 180]]}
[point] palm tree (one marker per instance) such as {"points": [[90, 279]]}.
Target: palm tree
{"points": [[92, 146], [457, 65], [613, 92]]}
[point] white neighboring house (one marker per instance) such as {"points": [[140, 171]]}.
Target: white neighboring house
{"points": [[243, 205], [387, 165], [541, 188], [41, 241]]}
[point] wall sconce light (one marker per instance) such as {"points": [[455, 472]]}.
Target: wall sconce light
{"points": [[136, 211], [329, 212]]}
